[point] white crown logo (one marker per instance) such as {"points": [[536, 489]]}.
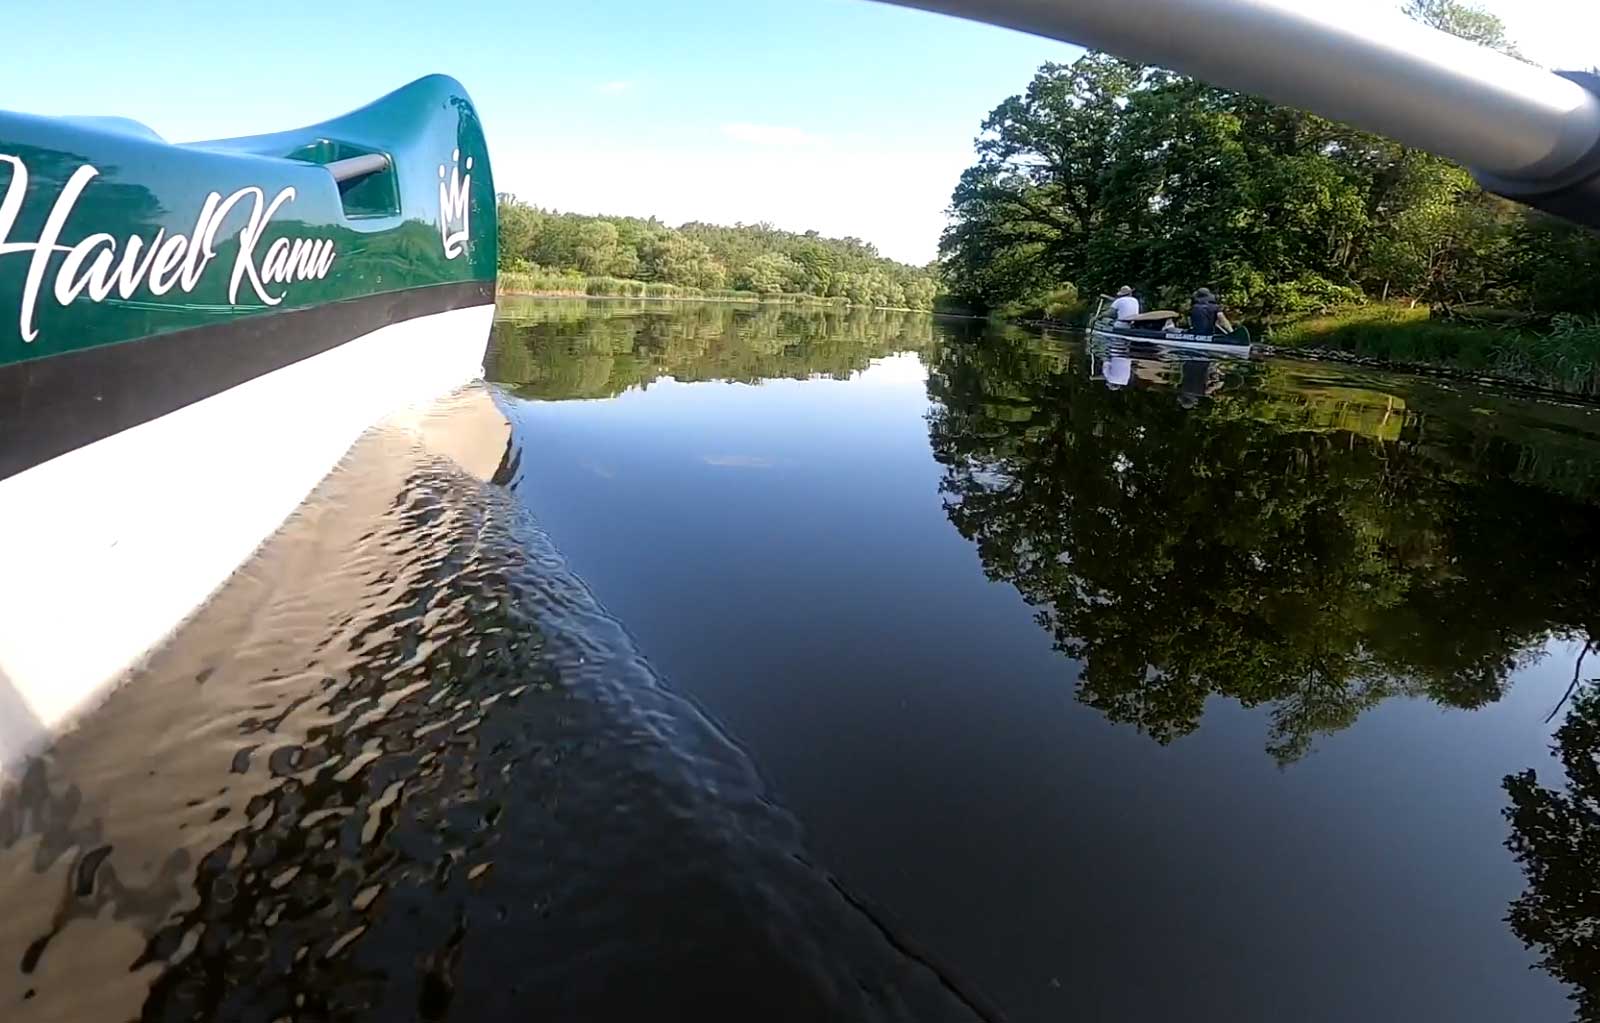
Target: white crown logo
{"points": [[453, 194]]}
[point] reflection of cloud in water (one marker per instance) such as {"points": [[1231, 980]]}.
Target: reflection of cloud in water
{"points": [[895, 371], [605, 472], [738, 461]]}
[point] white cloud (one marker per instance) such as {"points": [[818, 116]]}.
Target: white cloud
{"points": [[612, 88], [1559, 34], [769, 134], [892, 197], [895, 371]]}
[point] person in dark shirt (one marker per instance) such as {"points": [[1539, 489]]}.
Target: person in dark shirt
{"points": [[1205, 315]]}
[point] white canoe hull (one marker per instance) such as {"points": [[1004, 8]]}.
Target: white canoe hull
{"points": [[108, 548], [1172, 339]]}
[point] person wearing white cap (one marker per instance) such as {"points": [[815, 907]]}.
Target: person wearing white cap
{"points": [[1124, 307]]}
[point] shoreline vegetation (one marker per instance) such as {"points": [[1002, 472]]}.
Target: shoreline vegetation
{"points": [[1317, 236], [1561, 354], [547, 252], [540, 283]]}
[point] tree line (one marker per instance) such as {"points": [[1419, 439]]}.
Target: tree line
{"points": [[757, 259], [1106, 172]]}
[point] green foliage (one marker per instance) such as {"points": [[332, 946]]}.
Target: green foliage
{"points": [[596, 248], [1459, 19], [1397, 333], [1024, 215], [519, 227], [1304, 294], [1556, 265], [772, 273], [674, 259], [1564, 357], [536, 280], [1060, 304], [1105, 173], [701, 258], [528, 279], [1567, 357]]}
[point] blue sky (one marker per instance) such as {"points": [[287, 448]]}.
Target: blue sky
{"points": [[841, 115]]}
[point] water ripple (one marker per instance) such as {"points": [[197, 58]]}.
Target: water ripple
{"points": [[405, 766]]}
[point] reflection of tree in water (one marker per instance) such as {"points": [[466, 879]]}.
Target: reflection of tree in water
{"points": [[1555, 835], [599, 349], [1184, 553]]}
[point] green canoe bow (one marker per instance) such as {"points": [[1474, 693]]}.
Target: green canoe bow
{"points": [[108, 234]]}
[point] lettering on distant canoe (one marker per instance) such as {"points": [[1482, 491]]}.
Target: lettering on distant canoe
{"points": [[453, 193], [102, 265]]}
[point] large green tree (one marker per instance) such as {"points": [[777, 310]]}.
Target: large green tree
{"points": [[1471, 23], [1022, 216], [1105, 173]]}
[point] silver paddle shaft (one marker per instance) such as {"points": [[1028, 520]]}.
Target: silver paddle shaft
{"points": [[1388, 75]]}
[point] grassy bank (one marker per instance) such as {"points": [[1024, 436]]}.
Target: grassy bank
{"points": [[1562, 355], [570, 285]]}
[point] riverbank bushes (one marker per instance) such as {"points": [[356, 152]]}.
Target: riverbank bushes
{"points": [[1390, 331], [1561, 354], [716, 261], [539, 281], [1059, 305], [1566, 357]]}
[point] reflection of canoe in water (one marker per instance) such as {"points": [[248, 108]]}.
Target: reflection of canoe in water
{"points": [[191, 336], [1236, 344]]}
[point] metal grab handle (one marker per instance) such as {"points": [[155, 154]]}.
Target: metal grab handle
{"points": [[1526, 132], [354, 167]]}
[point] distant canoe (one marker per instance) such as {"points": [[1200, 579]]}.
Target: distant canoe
{"points": [[1236, 344], [191, 336]]}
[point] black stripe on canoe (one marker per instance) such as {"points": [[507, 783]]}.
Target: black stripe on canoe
{"points": [[57, 404]]}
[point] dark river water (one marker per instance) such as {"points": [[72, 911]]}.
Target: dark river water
{"points": [[788, 664]]}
